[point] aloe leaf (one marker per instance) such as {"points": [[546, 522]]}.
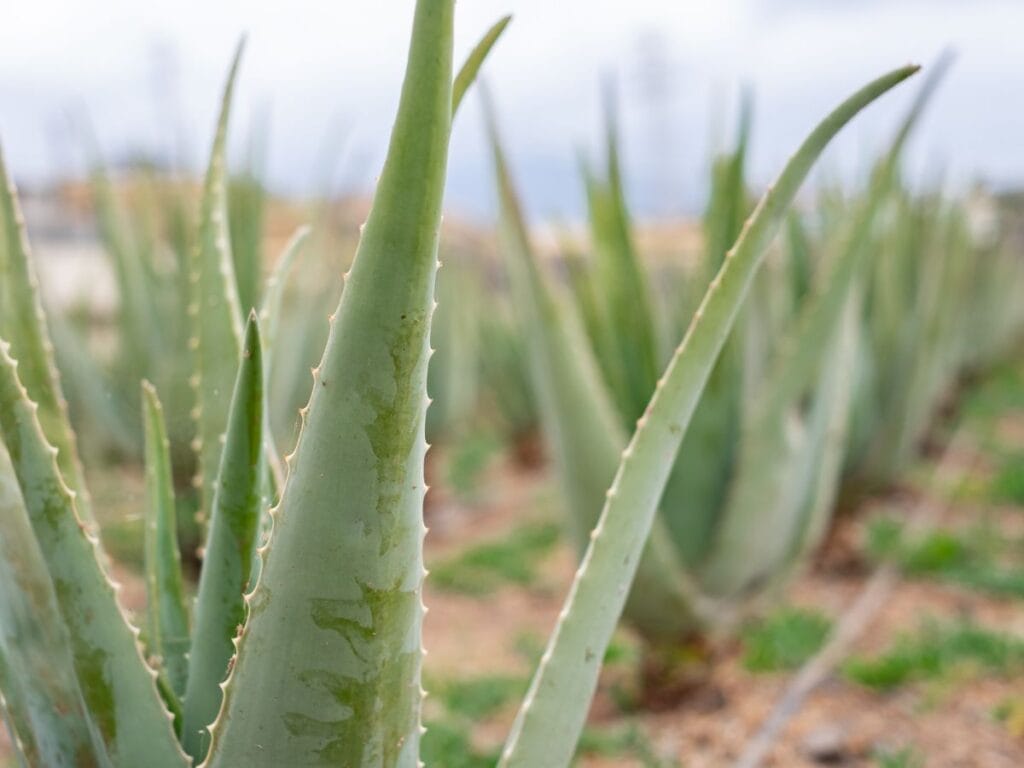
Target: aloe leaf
{"points": [[471, 67], [22, 322], [270, 319], [798, 251], [453, 379], [138, 326], [698, 485], [247, 202], [273, 295], [835, 394], [341, 582], [579, 419], [18, 748], [729, 203], [37, 674], [168, 635], [547, 727], [892, 345], [781, 447], [118, 687], [214, 312], [237, 507], [632, 336], [100, 418]]}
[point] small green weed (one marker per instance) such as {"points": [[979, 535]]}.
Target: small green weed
{"points": [[1001, 392], [467, 461], [449, 745], [785, 640], [479, 698], [514, 559], [908, 757], [1008, 484], [448, 741], [623, 741], [935, 651], [968, 559]]}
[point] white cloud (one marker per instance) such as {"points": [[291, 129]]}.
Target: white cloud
{"points": [[315, 63]]}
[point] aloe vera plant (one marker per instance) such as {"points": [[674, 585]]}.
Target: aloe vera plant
{"points": [[759, 464], [309, 654]]}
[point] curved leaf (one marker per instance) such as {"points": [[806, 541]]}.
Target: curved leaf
{"points": [[220, 608], [119, 689], [214, 312], [548, 726], [580, 421], [471, 67], [340, 587], [23, 324], [168, 616], [37, 673]]}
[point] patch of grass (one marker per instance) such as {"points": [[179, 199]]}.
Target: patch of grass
{"points": [[480, 697], [467, 461], [933, 652], [529, 646], [884, 538], [1008, 484], [464, 703], [908, 757], [1005, 582], [622, 741], [621, 651], [1002, 391], [784, 640], [448, 745], [935, 552], [123, 540], [968, 559], [483, 568]]}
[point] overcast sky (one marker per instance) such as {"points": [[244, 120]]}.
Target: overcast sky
{"points": [[324, 76]]}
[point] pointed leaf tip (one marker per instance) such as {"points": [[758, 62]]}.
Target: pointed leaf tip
{"points": [[471, 68]]}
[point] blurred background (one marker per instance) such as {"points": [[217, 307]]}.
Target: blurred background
{"points": [[321, 83], [867, 412]]}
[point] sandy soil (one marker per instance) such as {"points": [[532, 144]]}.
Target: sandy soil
{"points": [[948, 724]]}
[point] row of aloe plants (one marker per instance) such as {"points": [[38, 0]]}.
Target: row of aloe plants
{"points": [[869, 311], [303, 646], [477, 378]]}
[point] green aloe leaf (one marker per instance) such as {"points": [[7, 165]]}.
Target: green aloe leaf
{"points": [[247, 203], [139, 329], [783, 445], [214, 309], [341, 582], [118, 688], [799, 254], [270, 319], [168, 626], [582, 426], [37, 673], [22, 322], [834, 402], [273, 295], [700, 479], [630, 334], [228, 557], [547, 727], [471, 67]]}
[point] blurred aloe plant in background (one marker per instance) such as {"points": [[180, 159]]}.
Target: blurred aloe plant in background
{"points": [[304, 644], [796, 396]]}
